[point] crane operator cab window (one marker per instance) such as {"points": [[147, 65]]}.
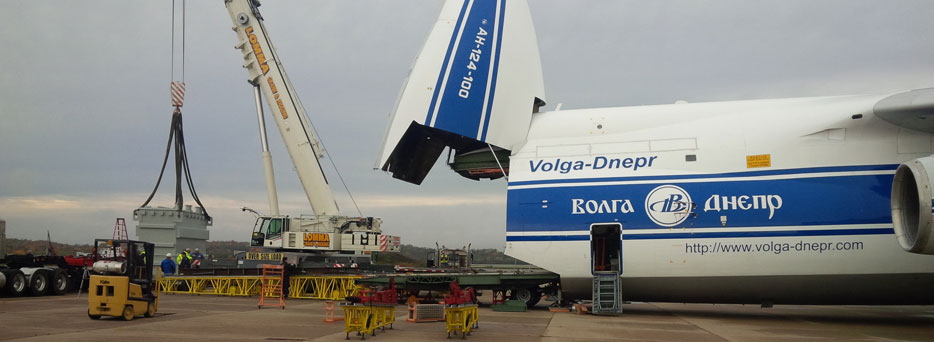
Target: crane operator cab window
{"points": [[268, 228]]}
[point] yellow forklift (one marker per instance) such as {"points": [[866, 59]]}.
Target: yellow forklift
{"points": [[121, 282]]}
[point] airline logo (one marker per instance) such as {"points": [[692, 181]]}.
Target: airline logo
{"points": [[582, 206], [598, 163], [745, 202], [668, 205]]}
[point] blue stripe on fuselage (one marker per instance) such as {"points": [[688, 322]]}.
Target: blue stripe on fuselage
{"points": [[806, 201], [883, 167], [708, 235]]}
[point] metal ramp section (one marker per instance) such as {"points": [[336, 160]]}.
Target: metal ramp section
{"points": [[328, 287], [607, 294]]}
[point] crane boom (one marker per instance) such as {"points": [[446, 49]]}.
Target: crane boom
{"points": [[327, 232], [266, 71]]}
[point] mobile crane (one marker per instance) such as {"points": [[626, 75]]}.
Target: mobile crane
{"points": [[326, 232]]}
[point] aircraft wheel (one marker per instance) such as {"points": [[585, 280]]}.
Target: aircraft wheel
{"points": [[128, 313]]}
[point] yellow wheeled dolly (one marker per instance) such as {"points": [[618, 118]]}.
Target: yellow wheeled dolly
{"points": [[365, 319], [384, 314], [461, 318]]}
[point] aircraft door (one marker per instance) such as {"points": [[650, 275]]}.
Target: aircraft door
{"points": [[606, 247]]}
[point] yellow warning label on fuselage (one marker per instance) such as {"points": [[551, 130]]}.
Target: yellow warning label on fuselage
{"points": [[317, 240], [263, 256], [759, 160]]}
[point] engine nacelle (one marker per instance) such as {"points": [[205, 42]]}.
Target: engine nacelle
{"points": [[911, 205]]}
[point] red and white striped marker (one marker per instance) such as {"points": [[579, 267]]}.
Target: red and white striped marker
{"points": [[177, 90]]}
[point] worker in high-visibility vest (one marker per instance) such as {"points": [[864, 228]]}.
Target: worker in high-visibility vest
{"points": [[184, 259], [444, 259]]}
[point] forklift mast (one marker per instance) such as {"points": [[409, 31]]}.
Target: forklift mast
{"points": [[133, 259]]}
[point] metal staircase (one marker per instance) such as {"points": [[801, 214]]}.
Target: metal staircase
{"points": [[607, 293]]}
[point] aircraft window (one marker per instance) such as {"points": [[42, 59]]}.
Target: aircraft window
{"points": [[690, 157]]}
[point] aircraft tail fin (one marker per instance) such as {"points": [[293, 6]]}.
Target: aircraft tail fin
{"points": [[476, 81]]}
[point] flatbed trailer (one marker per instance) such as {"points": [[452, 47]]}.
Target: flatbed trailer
{"points": [[528, 287], [527, 284], [39, 275]]}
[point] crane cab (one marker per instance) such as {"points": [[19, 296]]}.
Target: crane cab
{"points": [[268, 228]]}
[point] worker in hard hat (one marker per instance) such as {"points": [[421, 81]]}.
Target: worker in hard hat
{"points": [[168, 265], [196, 258]]}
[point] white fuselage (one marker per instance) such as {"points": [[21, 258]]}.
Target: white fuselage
{"points": [[748, 201]]}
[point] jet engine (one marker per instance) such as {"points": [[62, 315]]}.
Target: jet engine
{"points": [[911, 205]]}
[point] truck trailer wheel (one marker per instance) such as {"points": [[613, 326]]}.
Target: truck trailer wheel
{"points": [[15, 283], [529, 296], [59, 282], [39, 282]]}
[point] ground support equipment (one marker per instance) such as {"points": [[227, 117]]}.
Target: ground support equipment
{"points": [[607, 294], [272, 287], [424, 313], [212, 285], [329, 313], [305, 287], [365, 319], [526, 286], [323, 287], [462, 318]]}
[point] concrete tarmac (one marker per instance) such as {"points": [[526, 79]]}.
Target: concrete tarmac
{"points": [[211, 318]]}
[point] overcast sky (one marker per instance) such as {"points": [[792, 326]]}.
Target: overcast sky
{"points": [[85, 110]]}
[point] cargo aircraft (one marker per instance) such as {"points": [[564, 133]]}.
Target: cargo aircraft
{"points": [[821, 200]]}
